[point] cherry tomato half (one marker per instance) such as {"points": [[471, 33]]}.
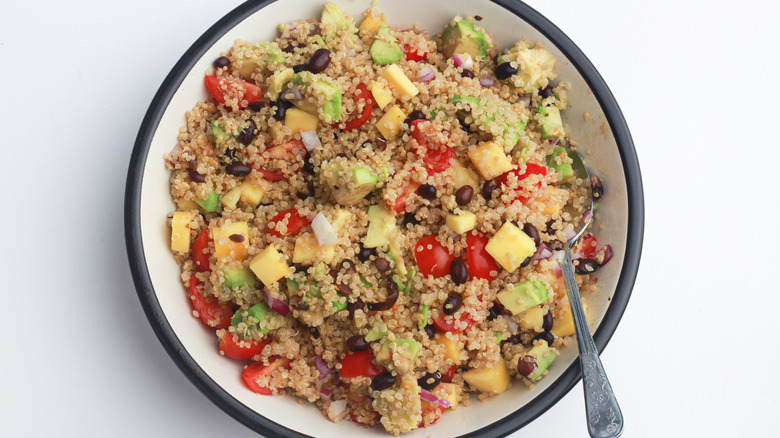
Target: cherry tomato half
{"points": [[432, 257], [257, 369], [209, 310], [400, 202], [449, 374], [530, 169], [359, 364], [295, 223], [292, 151], [240, 350], [429, 408], [447, 322], [269, 174], [223, 89], [200, 251], [479, 261], [363, 94], [436, 158], [412, 54], [588, 246]]}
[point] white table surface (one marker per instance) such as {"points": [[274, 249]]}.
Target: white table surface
{"points": [[693, 356]]}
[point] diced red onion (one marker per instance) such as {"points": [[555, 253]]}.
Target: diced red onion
{"points": [[311, 140], [511, 324], [276, 304], [292, 94], [576, 256], [487, 81], [570, 234], [426, 75], [457, 59], [586, 216], [463, 60], [430, 397], [542, 252], [608, 253], [525, 99], [174, 154], [336, 410], [557, 271], [322, 367], [325, 393], [554, 142], [324, 231]]}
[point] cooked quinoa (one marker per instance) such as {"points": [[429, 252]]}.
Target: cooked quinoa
{"points": [[371, 217]]}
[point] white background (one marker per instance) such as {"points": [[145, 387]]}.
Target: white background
{"points": [[695, 354]]}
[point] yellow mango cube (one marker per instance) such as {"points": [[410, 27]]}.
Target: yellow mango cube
{"points": [[230, 199], [381, 95], [563, 324], [449, 392], [299, 120], [269, 266], [532, 319], [461, 223], [236, 247], [308, 250], [370, 24], [252, 194], [463, 175], [510, 246], [180, 231], [391, 123], [492, 381], [451, 349], [401, 84], [490, 160]]}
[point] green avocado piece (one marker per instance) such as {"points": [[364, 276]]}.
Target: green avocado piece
{"points": [[238, 277], [211, 203], [563, 168], [511, 132], [385, 49], [375, 335], [523, 296], [386, 404], [552, 125], [424, 311], [406, 351], [544, 355], [314, 87], [361, 178], [536, 66], [463, 36], [381, 223], [333, 21], [265, 52], [221, 136], [259, 317]]}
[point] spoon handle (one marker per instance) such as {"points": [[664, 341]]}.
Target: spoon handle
{"points": [[603, 413]]}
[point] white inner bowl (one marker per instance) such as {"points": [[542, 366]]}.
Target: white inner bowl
{"points": [[594, 136]]}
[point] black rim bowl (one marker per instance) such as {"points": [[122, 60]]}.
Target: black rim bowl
{"points": [[257, 422]]}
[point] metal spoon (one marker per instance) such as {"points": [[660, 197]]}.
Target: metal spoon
{"points": [[603, 413]]}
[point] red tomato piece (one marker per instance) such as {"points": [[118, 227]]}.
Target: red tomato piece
{"points": [[530, 169], [400, 202], [359, 364], [256, 369], [588, 246], [427, 408], [437, 158], [412, 54], [363, 94], [479, 261], [291, 151], [209, 310], [447, 322], [269, 174], [200, 251], [240, 350], [434, 260], [222, 89], [295, 223], [449, 374]]}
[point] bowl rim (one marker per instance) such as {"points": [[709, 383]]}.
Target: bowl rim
{"points": [[255, 421]]}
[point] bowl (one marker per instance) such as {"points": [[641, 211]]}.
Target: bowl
{"points": [[192, 346]]}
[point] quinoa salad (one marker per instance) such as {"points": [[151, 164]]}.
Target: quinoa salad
{"points": [[371, 218]]}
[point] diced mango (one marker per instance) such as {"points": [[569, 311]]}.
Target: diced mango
{"points": [[563, 324], [510, 246], [252, 194], [187, 205], [463, 175], [225, 247], [533, 319], [308, 250], [299, 120], [451, 349], [269, 266], [461, 223], [490, 160], [449, 392], [492, 381], [381, 95], [401, 84], [180, 231], [340, 219], [230, 199], [370, 24], [391, 123]]}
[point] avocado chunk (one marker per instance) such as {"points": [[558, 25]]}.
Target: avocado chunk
{"points": [[350, 186], [564, 167], [280, 79], [334, 21], [544, 356], [381, 223], [463, 36], [315, 88], [399, 354], [314, 289], [400, 417], [385, 49], [249, 60], [552, 125], [395, 253], [523, 296], [239, 277], [259, 318], [211, 203], [535, 66], [500, 112], [221, 135]]}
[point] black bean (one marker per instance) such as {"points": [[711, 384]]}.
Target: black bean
{"points": [[281, 109], [514, 339], [547, 321], [430, 330], [351, 307], [526, 262], [452, 303], [544, 336], [464, 194], [533, 233], [466, 127], [365, 253], [526, 365], [315, 332], [493, 313], [546, 92], [307, 166], [586, 266], [230, 154], [427, 191], [607, 254], [319, 60], [459, 272], [381, 144], [348, 265], [383, 381], [357, 343], [238, 238], [237, 168], [429, 381], [382, 264], [410, 218], [598, 188], [221, 62], [555, 245], [478, 18], [389, 302], [467, 73], [488, 188], [289, 49], [248, 134], [344, 289], [505, 70], [414, 115], [301, 67], [195, 176], [257, 105]]}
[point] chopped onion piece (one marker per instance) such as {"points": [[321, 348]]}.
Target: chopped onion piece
{"points": [[311, 140], [586, 216], [511, 324], [426, 75], [570, 234], [557, 271], [431, 397], [325, 393], [276, 304], [336, 410], [457, 59], [525, 99], [463, 60], [324, 231], [487, 81], [542, 252], [292, 94], [554, 142], [322, 367]]}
